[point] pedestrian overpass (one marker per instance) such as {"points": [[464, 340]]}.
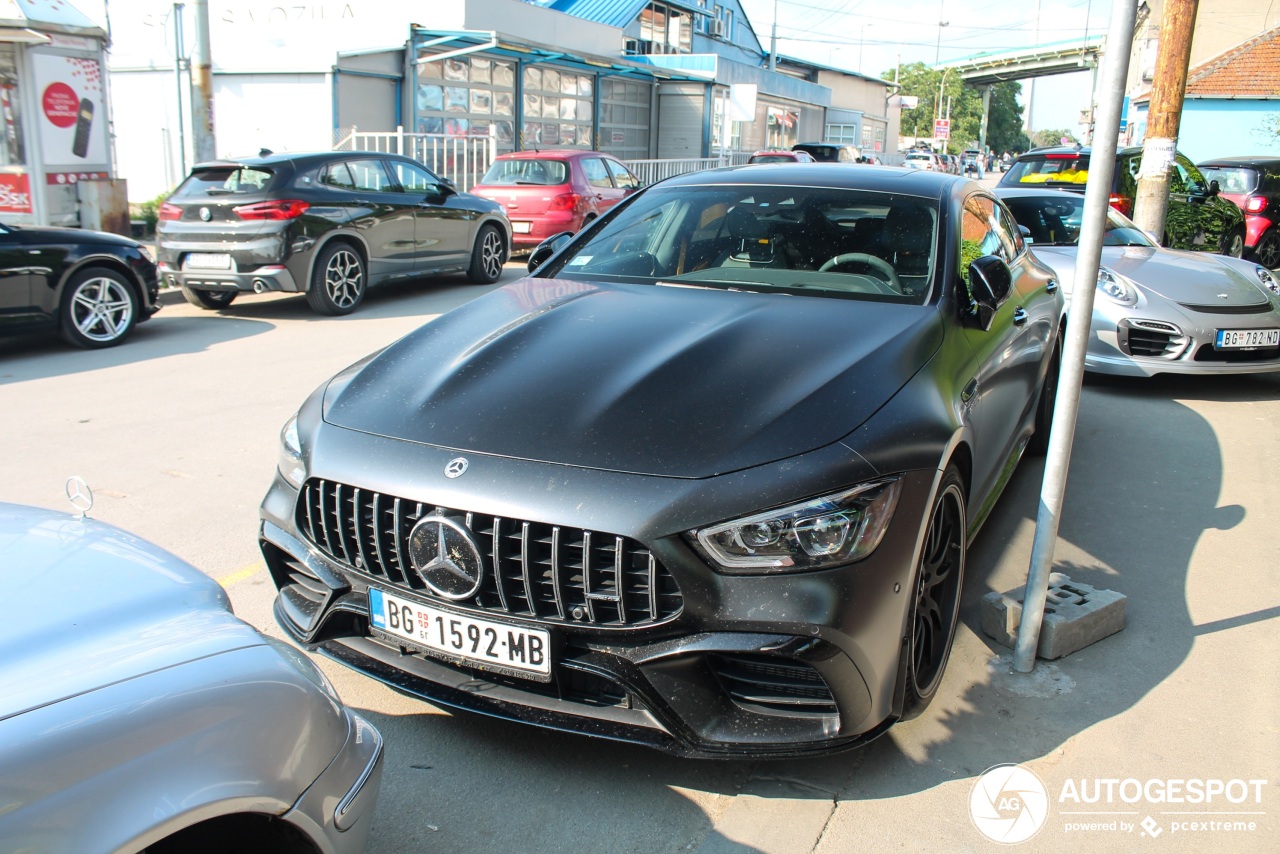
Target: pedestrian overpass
{"points": [[987, 69]]}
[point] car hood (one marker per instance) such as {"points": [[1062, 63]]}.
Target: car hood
{"points": [[672, 381], [1190, 278], [91, 605]]}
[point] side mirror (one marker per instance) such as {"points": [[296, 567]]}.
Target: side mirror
{"points": [[547, 248], [989, 281], [1026, 234], [1214, 188]]}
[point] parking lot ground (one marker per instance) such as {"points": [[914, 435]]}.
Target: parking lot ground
{"points": [[1172, 500]]}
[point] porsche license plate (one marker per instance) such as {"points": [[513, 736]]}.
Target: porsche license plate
{"points": [[209, 261], [522, 227], [1246, 339], [508, 647]]}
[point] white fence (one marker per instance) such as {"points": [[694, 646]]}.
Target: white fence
{"points": [[651, 171], [462, 159]]}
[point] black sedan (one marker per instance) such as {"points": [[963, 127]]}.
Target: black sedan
{"points": [[91, 286], [705, 481], [328, 224]]}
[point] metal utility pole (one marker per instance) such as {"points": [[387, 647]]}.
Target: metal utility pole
{"points": [[1164, 117], [202, 88], [773, 40], [178, 50], [1097, 194]]}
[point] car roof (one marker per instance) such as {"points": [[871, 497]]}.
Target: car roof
{"points": [[551, 154], [1273, 162], [1072, 149], [299, 158], [889, 179]]}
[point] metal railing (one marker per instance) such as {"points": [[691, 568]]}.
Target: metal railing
{"points": [[651, 171], [461, 159]]}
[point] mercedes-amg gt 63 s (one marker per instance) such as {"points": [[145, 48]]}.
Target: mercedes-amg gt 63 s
{"points": [[705, 480]]}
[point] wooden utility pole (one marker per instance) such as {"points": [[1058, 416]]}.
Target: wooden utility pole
{"points": [[1164, 116]]}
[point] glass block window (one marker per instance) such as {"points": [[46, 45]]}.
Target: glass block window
{"points": [[558, 108], [466, 96]]}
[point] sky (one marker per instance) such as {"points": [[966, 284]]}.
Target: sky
{"points": [[871, 37]]}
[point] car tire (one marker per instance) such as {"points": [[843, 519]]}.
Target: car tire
{"points": [[1268, 249], [1039, 443], [487, 256], [1233, 243], [935, 604], [99, 309], [208, 300], [338, 280]]}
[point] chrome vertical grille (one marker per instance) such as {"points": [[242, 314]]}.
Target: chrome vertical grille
{"points": [[551, 573]]}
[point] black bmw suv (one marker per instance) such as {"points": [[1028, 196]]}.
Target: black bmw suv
{"points": [[328, 224]]}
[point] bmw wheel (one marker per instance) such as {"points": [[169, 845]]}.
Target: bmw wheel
{"points": [[338, 280], [211, 300], [935, 608], [1268, 249], [487, 257], [99, 309]]}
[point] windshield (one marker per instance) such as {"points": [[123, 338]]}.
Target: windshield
{"points": [[1231, 179], [222, 180], [1072, 169], [538, 172], [1055, 220], [805, 241]]}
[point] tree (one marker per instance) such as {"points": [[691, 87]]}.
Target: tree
{"points": [[1004, 122], [1053, 137]]}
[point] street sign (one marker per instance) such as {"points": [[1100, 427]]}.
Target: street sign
{"points": [[942, 128]]}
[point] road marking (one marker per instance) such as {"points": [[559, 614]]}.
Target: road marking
{"points": [[240, 574]]}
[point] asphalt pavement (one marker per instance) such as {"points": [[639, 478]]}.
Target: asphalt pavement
{"points": [[1163, 737]]}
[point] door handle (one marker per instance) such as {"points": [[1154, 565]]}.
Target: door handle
{"points": [[1020, 316], [969, 390], [1051, 285], [364, 202]]}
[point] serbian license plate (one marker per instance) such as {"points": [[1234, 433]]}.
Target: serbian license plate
{"points": [[522, 227], [505, 647], [209, 261], [1246, 339]]}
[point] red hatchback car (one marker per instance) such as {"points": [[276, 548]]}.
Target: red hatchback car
{"points": [[549, 192], [1253, 183]]}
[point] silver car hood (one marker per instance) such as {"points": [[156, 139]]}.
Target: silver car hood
{"points": [[91, 605], [1194, 278]]}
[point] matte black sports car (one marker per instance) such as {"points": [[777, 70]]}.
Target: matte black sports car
{"points": [[705, 481], [329, 224], [91, 286]]}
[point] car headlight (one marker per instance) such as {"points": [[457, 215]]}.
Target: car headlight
{"points": [[1116, 287], [816, 534], [290, 465], [1268, 279]]}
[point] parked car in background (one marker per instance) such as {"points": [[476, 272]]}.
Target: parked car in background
{"points": [[549, 192], [1253, 183], [138, 714], [330, 224], [1197, 217], [829, 152], [90, 286], [599, 500], [774, 155], [925, 160], [1157, 310]]}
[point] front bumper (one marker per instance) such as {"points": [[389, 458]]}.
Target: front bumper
{"points": [[720, 678]]}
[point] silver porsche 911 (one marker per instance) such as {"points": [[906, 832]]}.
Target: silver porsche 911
{"points": [[1157, 310], [138, 714]]}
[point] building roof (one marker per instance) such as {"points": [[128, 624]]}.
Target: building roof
{"points": [[615, 13], [1248, 70], [57, 16]]}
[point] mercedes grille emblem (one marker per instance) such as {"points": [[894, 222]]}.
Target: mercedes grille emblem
{"points": [[205, 214], [79, 494], [456, 467], [446, 557]]}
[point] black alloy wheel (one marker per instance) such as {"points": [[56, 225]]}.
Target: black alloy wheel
{"points": [[487, 257], [1268, 249], [338, 280], [1039, 442], [99, 309], [935, 609], [209, 300], [1233, 243]]}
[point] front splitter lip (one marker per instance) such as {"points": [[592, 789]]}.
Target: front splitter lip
{"points": [[361, 655]]}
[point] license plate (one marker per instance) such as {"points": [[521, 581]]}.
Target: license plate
{"points": [[209, 261], [1246, 339], [522, 227], [502, 646]]}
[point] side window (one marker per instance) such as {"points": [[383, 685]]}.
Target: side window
{"points": [[1009, 228], [979, 233], [415, 179], [622, 177], [369, 176], [338, 175], [597, 174], [1191, 177]]}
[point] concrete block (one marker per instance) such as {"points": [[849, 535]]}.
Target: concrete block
{"points": [[1075, 615]]}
